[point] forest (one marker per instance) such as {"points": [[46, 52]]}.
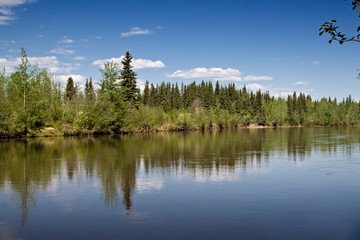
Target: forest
{"points": [[33, 104]]}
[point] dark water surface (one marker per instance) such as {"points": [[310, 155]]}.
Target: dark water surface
{"points": [[297, 183]]}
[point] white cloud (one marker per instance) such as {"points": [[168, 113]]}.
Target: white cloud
{"points": [[49, 62], [79, 58], [6, 13], [301, 83], [220, 74], [257, 78], [255, 87], [4, 20], [77, 78], [137, 63], [67, 40], [13, 3], [62, 51], [213, 73], [145, 63], [315, 63], [136, 31], [273, 91]]}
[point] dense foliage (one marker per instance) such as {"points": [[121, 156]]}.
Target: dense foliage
{"points": [[32, 104]]}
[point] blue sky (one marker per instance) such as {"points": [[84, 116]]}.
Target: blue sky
{"points": [[271, 45]]}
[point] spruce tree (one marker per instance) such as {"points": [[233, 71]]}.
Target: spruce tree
{"points": [[260, 113], [295, 112], [70, 90], [92, 95], [252, 109], [163, 96], [86, 91], [210, 95], [128, 82], [290, 110], [152, 98], [217, 90], [185, 98], [244, 101], [146, 95], [177, 99]]}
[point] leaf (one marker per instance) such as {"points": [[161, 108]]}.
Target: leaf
{"points": [[358, 29], [321, 33], [341, 42], [330, 40]]}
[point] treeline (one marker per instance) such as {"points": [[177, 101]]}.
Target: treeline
{"points": [[31, 103]]}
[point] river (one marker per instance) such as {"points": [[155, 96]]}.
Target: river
{"points": [[287, 183]]}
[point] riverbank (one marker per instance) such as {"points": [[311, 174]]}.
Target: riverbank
{"points": [[65, 132]]}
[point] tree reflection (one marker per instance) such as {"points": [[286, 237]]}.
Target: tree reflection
{"points": [[28, 167]]}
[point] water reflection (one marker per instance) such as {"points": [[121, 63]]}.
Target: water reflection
{"points": [[121, 165]]}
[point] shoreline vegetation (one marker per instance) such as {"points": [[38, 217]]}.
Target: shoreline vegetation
{"points": [[32, 104]]}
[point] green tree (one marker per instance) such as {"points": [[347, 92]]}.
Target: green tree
{"points": [[146, 94], [111, 91], [92, 94], [24, 75], [128, 81], [110, 78], [70, 91], [4, 106], [89, 90], [176, 99], [259, 109]]}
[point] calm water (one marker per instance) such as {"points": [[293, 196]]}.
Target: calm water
{"points": [[300, 183]]}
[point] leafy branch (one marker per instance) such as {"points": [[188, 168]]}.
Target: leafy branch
{"points": [[331, 29]]}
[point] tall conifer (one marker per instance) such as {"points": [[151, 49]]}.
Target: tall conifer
{"points": [[128, 81], [70, 90]]}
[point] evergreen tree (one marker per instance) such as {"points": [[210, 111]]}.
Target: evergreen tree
{"points": [[260, 114], [176, 97], [163, 97], [217, 90], [252, 107], [152, 99], [92, 94], [146, 95], [244, 101], [185, 98], [87, 91], [301, 108], [70, 91], [128, 81], [294, 110], [290, 110], [210, 102]]}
